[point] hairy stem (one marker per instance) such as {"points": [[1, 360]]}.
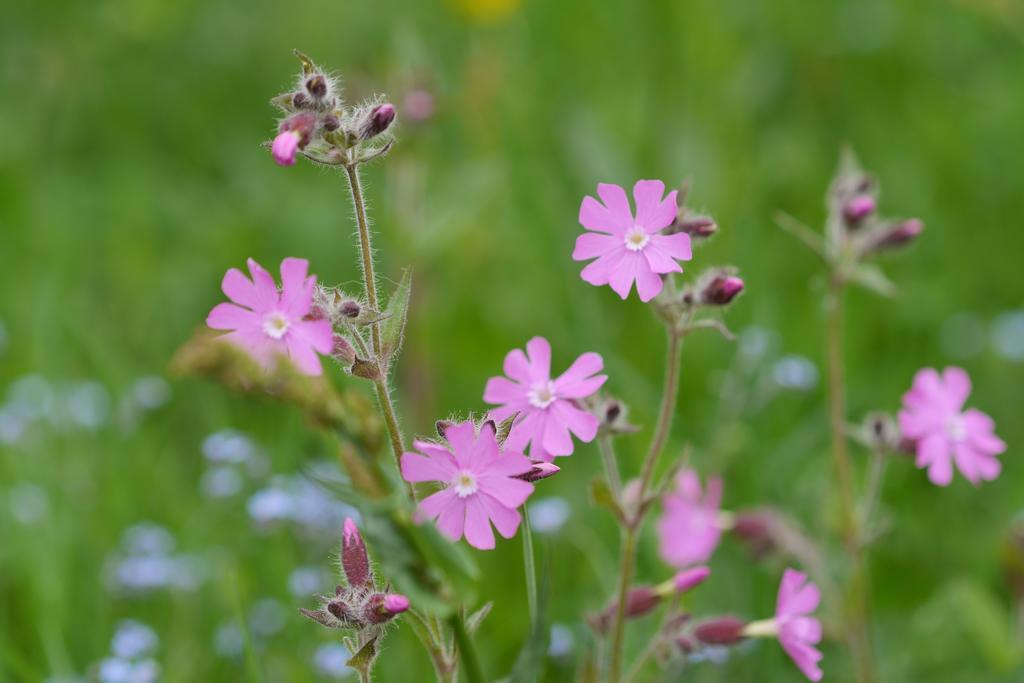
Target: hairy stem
{"points": [[467, 651], [661, 431], [366, 250], [530, 567], [442, 667], [857, 627], [387, 407]]}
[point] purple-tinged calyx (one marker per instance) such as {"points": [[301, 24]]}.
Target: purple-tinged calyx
{"points": [[721, 290], [379, 120], [354, 559], [383, 607], [726, 630], [540, 470], [857, 209]]}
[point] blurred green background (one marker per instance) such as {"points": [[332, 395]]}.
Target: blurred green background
{"points": [[132, 176]]}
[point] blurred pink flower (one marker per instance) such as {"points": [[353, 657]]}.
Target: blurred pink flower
{"points": [[944, 433], [797, 631], [688, 530], [284, 147], [545, 409], [630, 248], [266, 322], [480, 484]]}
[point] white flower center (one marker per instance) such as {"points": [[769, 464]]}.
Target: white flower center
{"points": [[636, 238], [542, 395], [956, 428], [275, 324], [464, 483]]}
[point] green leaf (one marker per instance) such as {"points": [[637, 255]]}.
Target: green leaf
{"points": [[363, 660], [871, 277], [474, 620], [392, 329], [366, 369]]}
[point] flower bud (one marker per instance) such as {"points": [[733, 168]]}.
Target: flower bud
{"points": [[330, 123], [384, 607], [700, 227], [442, 427], [354, 559], [342, 612], [894, 236], [294, 134], [721, 290], [380, 119], [540, 470], [343, 350], [612, 411], [300, 101], [720, 631], [755, 529], [316, 86], [350, 309], [880, 432], [857, 209], [688, 579]]}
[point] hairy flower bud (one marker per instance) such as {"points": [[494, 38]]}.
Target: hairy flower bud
{"points": [[300, 101], [540, 470], [343, 350], [316, 86], [754, 528], [342, 612], [725, 630], [857, 209], [383, 607], [700, 227], [350, 309], [721, 290], [442, 427], [688, 579], [894, 236], [379, 120], [354, 559], [295, 133], [330, 123]]}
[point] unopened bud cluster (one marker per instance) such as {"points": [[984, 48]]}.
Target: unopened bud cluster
{"points": [[641, 600], [320, 125], [359, 604]]}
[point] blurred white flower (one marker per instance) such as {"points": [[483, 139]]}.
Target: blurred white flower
{"points": [[147, 538], [12, 426], [306, 581], [133, 640], [329, 660], [30, 397], [795, 372], [562, 641], [117, 670], [85, 404], [229, 641], [756, 341], [221, 482], [150, 392], [266, 617], [1008, 335], [548, 515], [270, 505], [228, 446], [146, 562]]}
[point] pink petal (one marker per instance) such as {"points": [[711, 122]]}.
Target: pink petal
{"points": [[676, 246], [958, 386], [462, 437], [621, 277], [966, 460], [485, 448], [933, 453], [581, 423], [980, 432], [648, 284], [658, 261], [316, 333], [593, 245], [303, 355], [507, 464], [926, 391], [509, 492], [506, 520], [915, 426], [240, 289], [517, 366], [614, 197], [804, 601], [557, 440], [266, 289], [417, 468], [434, 504], [539, 351], [713, 493], [688, 485], [600, 271], [988, 466], [452, 518], [576, 382], [478, 527], [231, 317], [652, 213], [805, 657], [792, 582], [296, 290], [527, 427], [502, 390], [594, 216]]}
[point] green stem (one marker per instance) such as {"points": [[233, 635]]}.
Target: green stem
{"points": [[530, 567], [857, 627], [419, 625], [611, 465], [661, 431], [467, 651], [387, 409], [366, 251]]}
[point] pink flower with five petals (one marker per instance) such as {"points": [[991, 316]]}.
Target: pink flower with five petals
{"points": [[944, 434], [268, 323], [798, 631], [630, 248], [689, 529], [480, 484], [545, 410]]}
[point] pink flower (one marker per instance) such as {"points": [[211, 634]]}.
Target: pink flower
{"points": [[480, 484], [545, 410], [689, 530], [284, 147], [266, 322], [630, 248], [797, 631], [944, 433]]}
